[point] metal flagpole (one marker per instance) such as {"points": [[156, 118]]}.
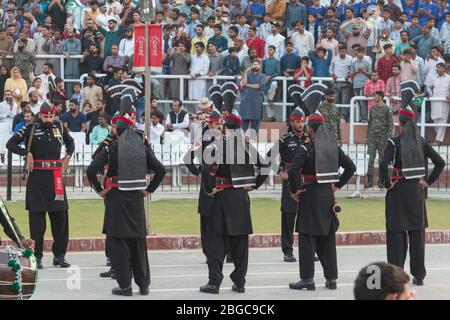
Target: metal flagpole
{"points": [[147, 6]]}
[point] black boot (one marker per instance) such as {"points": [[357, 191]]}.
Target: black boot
{"points": [[331, 284], [60, 261], [118, 291], [238, 289], [209, 288], [144, 291], [369, 183], [380, 183], [307, 284], [418, 282], [107, 274], [289, 258]]}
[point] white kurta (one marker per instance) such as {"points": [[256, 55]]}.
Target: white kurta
{"points": [[276, 41], [304, 42], [197, 88], [441, 89]]}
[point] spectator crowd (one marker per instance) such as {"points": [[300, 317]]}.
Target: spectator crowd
{"points": [[365, 46]]}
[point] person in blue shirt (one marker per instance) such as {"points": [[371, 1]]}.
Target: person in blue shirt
{"points": [[231, 66], [444, 8], [256, 10], [28, 116], [409, 7], [414, 29], [364, 5], [427, 9], [74, 120], [290, 61], [318, 10], [320, 63]]}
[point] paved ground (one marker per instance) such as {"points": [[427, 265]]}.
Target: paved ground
{"points": [[179, 274]]}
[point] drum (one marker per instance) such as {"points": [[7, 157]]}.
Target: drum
{"points": [[18, 273]]}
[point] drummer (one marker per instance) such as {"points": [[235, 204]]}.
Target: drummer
{"points": [[12, 232]]}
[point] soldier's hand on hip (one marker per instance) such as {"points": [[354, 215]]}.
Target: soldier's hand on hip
{"points": [[423, 184], [284, 175], [215, 190], [145, 193], [65, 163], [103, 193], [296, 196], [393, 185], [248, 189], [334, 187], [30, 162]]}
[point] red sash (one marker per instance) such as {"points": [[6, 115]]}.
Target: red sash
{"points": [[56, 167]]}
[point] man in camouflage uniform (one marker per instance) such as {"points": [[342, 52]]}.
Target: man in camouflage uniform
{"points": [[331, 114], [24, 61], [379, 130]]}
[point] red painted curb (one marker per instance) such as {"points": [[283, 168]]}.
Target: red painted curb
{"points": [[160, 242]]}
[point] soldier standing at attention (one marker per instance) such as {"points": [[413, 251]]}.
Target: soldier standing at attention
{"points": [[288, 146], [45, 188], [331, 114], [379, 130]]}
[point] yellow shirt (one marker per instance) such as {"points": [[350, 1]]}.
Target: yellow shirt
{"points": [[197, 39]]}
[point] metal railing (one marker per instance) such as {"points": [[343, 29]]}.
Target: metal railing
{"points": [[179, 178], [422, 124]]}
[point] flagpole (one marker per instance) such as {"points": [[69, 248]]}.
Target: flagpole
{"points": [[147, 6]]}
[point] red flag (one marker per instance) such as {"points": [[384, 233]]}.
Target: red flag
{"points": [[154, 46]]}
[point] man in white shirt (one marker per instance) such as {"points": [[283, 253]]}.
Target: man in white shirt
{"points": [[330, 42], [126, 45], [156, 128], [303, 40], [420, 77], [199, 67], [177, 119], [47, 77], [8, 109], [341, 67], [114, 5], [440, 109], [444, 34], [105, 15], [276, 40], [430, 68]]}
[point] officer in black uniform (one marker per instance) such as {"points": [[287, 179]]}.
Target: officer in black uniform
{"points": [[110, 139], [288, 146], [406, 215], [228, 180], [45, 189], [313, 179], [212, 131], [127, 187]]}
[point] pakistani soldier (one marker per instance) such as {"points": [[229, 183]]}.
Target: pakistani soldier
{"points": [[406, 215], [313, 179], [288, 145], [110, 140], [379, 130], [211, 132], [45, 188], [124, 195], [331, 114], [228, 179]]}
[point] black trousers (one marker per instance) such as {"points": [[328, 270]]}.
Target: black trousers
{"points": [[59, 222], [397, 248], [287, 232], [204, 222], [216, 255], [129, 258], [325, 246]]}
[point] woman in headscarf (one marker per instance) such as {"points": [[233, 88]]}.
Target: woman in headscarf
{"points": [[4, 74], [17, 85]]}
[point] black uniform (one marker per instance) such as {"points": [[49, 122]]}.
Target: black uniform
{"points": [[205, 202], [125, 217], [406, 215], [109, 141], [316, 222], [230, 219], [41, 195], [288, 145]]}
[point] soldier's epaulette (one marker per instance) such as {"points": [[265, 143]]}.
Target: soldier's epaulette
{"points": [[392, 141], [284, 136]]}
